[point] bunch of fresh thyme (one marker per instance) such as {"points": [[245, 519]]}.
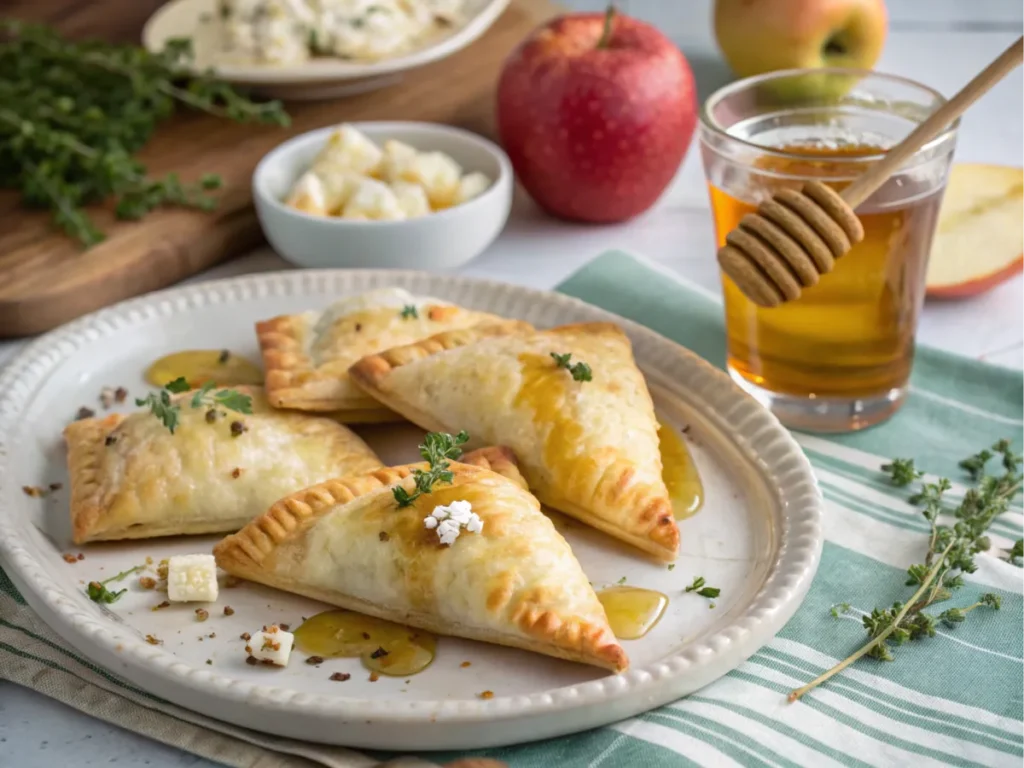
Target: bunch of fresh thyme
{"points": [[950, 554], [437, 449], [72, 114], [165, 408]]}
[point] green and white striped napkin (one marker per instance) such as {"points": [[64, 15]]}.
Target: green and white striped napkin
{"points": [[955, 699]]}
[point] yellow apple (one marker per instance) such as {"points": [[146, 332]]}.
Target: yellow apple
{"points": [[758, 36], [980, 238]]}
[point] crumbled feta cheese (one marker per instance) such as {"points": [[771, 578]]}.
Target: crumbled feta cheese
{"points": [[271, 645], [471, 185], [192, 578], [439, 176], [374, 200], [397, 158], [412, 199], [309, 195], [451, 519], [347, 149]]}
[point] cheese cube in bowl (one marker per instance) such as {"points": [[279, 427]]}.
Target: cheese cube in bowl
{"points": [[383, 195]]}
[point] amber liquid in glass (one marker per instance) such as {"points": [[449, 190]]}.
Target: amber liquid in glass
{"points": [[852, 335]]}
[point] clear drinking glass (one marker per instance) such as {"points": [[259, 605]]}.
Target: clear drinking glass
{"points": [[839, 357]]}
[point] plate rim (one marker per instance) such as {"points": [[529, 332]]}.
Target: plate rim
{"points": [[341, 70], [795, 557]]}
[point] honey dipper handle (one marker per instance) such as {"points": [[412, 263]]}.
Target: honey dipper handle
{"points": [[874, 177]]}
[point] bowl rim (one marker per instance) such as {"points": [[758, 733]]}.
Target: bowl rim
{"points": [[279, 153]]}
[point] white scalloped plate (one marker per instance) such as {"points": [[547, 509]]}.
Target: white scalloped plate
{"points": [[758, 538], [322, 77]]}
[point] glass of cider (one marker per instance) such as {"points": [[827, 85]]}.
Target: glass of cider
{"points": [[838, 358]]}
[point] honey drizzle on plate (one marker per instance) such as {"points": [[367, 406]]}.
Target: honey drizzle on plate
{"points": [[199, 366], [632, 611], [679, 473], [383, 646]]}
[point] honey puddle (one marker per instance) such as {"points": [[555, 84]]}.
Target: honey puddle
{"points": [[199, 366], [382, 646], [679, 473], [632, 611]]}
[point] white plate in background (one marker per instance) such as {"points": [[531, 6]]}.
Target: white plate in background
{"points": [[321, 77]]}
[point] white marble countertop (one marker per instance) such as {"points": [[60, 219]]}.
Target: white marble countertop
{"points": [[941, 42]]}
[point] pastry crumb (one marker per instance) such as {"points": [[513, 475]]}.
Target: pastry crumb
{"points": [[374, 677], [212, 635], [209, 661], [147, 582], [315, 660], [202, 614], [340, 677], [224, 356], [154, 640], [111, 439], [107, 397], [236, 472], [231, 582], [366, 635], [56, 486], [120, 395], [158, 606], [283, 626], [251, 660], [487, 695], [229, 611], [34, 491], [245, 636], [149, 560], [383, 536], [378, 653], [69, 558], [465, 664], [84, 413]]}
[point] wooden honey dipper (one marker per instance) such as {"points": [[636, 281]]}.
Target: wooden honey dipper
{"points": [[796, 236]]}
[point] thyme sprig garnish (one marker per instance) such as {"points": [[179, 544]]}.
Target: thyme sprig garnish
{"points": [[437, 449], [98, 592], [168, 410], [409, 311], [950, 555], [74, 113], [580, 371]]}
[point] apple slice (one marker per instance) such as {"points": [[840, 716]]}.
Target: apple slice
{"points": [[980, 238]]}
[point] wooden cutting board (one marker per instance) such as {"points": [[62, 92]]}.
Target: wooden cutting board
{"points": [[46, 279]]}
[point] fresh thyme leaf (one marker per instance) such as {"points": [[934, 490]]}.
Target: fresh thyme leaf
{"points": [[902, 471], [839, 609], [948, 557], [621, 581], [200, 394], [709, 592], [579, 371], [98, 592], [409, 311], [74, 113], [233, 401], [180, 384], [403, 497], [1016, 554], [161, 406], [698, 582]]}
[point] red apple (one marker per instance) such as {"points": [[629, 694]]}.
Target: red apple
{"points": [[980, 237], [596, 112]]}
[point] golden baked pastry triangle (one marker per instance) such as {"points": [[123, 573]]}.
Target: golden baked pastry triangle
{"points": [[307, 356], [131, 478], [515, 582], [588, 448]]}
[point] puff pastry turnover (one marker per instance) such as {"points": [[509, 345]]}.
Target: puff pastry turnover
{"points": [[131, 478], [514, 583], [587, 448], [307, 356]]}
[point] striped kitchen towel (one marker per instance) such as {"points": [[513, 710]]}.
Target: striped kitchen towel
{"points": [[955, 699]]}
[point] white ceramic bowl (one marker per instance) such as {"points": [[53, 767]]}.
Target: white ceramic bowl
{"points": [[437, 241]]}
